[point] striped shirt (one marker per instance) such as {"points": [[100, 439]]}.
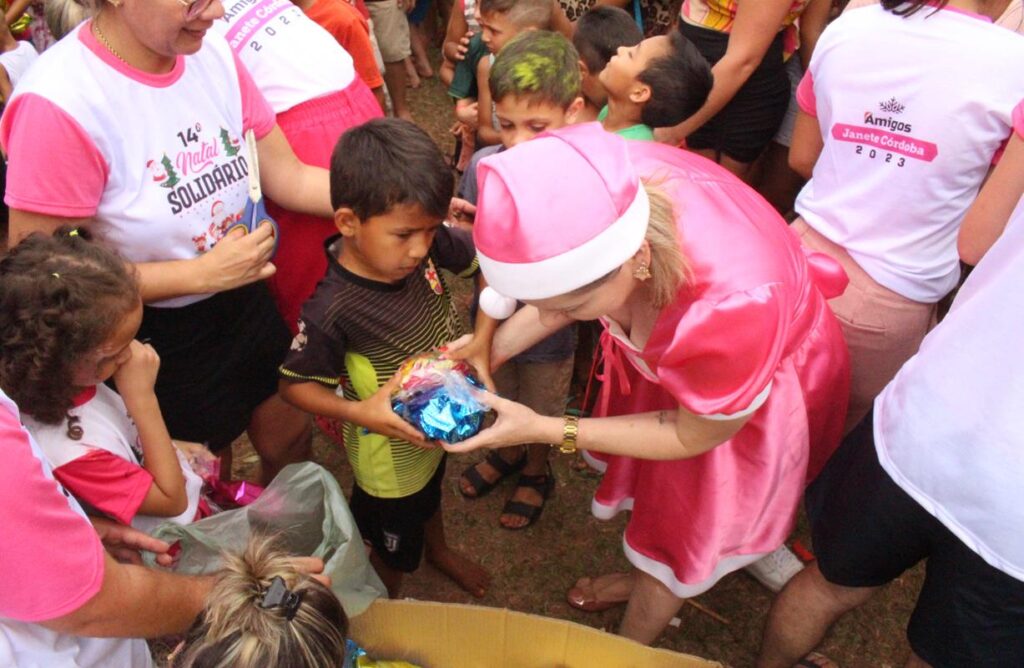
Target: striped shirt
{"points": [[355, 332]]}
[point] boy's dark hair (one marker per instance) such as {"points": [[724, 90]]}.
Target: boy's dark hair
{"points": [[61, 297], [600, 32], [909, 7], [539, 65], [680, 82], [523, 13], [386, 162]]}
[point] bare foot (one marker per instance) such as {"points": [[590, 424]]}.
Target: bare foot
{"points": [[412, 78], [423, 68], [468, 574], [602, 592]]}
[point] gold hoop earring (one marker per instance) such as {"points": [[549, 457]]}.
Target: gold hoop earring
{"points": [[642, 273]]}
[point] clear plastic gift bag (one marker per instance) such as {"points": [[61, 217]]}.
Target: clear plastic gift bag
{"points": [[305, 509]]}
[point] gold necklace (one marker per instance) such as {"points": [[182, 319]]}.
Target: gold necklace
{"points": [[103, 40]]}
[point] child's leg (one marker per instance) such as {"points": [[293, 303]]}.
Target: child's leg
{"points": [[393, 530], [543, 386], [391, 577], [466, 573], [392, 32], [507, 381]]}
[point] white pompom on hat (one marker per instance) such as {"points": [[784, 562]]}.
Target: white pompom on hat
{"points": [[555, 214]]}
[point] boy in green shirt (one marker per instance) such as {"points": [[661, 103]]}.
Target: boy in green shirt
{"points": [[658, 83]]}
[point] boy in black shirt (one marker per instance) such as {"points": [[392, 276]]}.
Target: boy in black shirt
{"points": [[382, 301]]}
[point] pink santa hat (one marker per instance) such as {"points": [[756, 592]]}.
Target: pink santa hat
{"points": [[555, 214]]}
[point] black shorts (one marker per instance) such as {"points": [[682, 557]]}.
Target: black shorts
{"points": [[867, 531], [218, 362], [395, 527], [745, 126]]}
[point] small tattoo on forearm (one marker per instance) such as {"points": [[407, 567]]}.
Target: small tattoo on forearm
{"points": [[662, 417]]}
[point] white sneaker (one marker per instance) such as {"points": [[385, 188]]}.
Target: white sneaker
{"points": [[774, 570]]}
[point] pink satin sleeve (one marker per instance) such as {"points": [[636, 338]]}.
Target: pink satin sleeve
{"points": [[1018, 119], [724, 354]]}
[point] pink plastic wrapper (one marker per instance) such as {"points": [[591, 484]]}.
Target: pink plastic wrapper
{"points": [[222, 494], [229, 493]]}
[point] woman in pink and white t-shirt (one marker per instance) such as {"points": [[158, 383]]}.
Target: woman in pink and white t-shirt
{"points": [[311, 84], [133, 125], [903, 109]]}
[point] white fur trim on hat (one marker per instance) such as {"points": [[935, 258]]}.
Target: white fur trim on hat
{"points": [[576, 267], [496, 305]]}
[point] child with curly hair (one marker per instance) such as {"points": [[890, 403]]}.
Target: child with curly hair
{"points": [[263, 611], [69, 312]]}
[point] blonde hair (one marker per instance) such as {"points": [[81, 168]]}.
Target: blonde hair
{"points": [[236, 632], [62, 16], [669, 268]]}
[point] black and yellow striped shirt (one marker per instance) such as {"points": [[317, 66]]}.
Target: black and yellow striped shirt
{"points": [[359, 331]]}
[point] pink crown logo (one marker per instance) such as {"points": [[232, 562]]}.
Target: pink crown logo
{"points": [[891, 106]]}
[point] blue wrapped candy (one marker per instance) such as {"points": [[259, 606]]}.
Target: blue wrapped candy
{"points": [[436, 396]]}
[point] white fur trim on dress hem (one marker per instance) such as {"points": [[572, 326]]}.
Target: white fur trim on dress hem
{"points": [[664, 574], [604, 511], [593, 462], [576, 267]]}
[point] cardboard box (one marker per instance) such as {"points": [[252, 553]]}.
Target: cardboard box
{"points": [[446, 635]]}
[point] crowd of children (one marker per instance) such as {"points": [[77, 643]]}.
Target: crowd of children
{"points": [[135, 310]]}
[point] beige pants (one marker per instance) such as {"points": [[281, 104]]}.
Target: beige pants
{"points": [[391, 28], [883, 329], [542, 386]]}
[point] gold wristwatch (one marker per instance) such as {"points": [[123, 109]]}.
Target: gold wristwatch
{"points": [[570, 432]]}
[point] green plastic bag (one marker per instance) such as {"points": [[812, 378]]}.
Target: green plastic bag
{"points": [[305, 509]]}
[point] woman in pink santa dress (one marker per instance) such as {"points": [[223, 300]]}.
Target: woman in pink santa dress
{"points": [[726, 373]]}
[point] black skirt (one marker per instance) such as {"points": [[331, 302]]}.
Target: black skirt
{"points": [[743, 128], [218, 361]]}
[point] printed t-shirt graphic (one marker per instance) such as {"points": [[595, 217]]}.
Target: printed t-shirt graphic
{"points": [[293, 59], [163, 185], [911, 113]]}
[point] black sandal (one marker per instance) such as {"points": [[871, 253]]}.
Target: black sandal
{"points": [[480, 486], [543, 484]]}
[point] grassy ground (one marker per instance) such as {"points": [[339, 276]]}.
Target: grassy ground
{"points": [[532, 569]]}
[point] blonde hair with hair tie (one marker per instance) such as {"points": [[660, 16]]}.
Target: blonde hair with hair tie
{"points": [[235, 631]]}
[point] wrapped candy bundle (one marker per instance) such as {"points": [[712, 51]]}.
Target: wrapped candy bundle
{"points": [[436, 396]]}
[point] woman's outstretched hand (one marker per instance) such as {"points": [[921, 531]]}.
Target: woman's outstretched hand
{"points": [[516, 424]]}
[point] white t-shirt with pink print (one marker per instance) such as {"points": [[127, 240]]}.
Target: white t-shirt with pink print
{"points": [[912, 111], [157, 159], [291, 58]]}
